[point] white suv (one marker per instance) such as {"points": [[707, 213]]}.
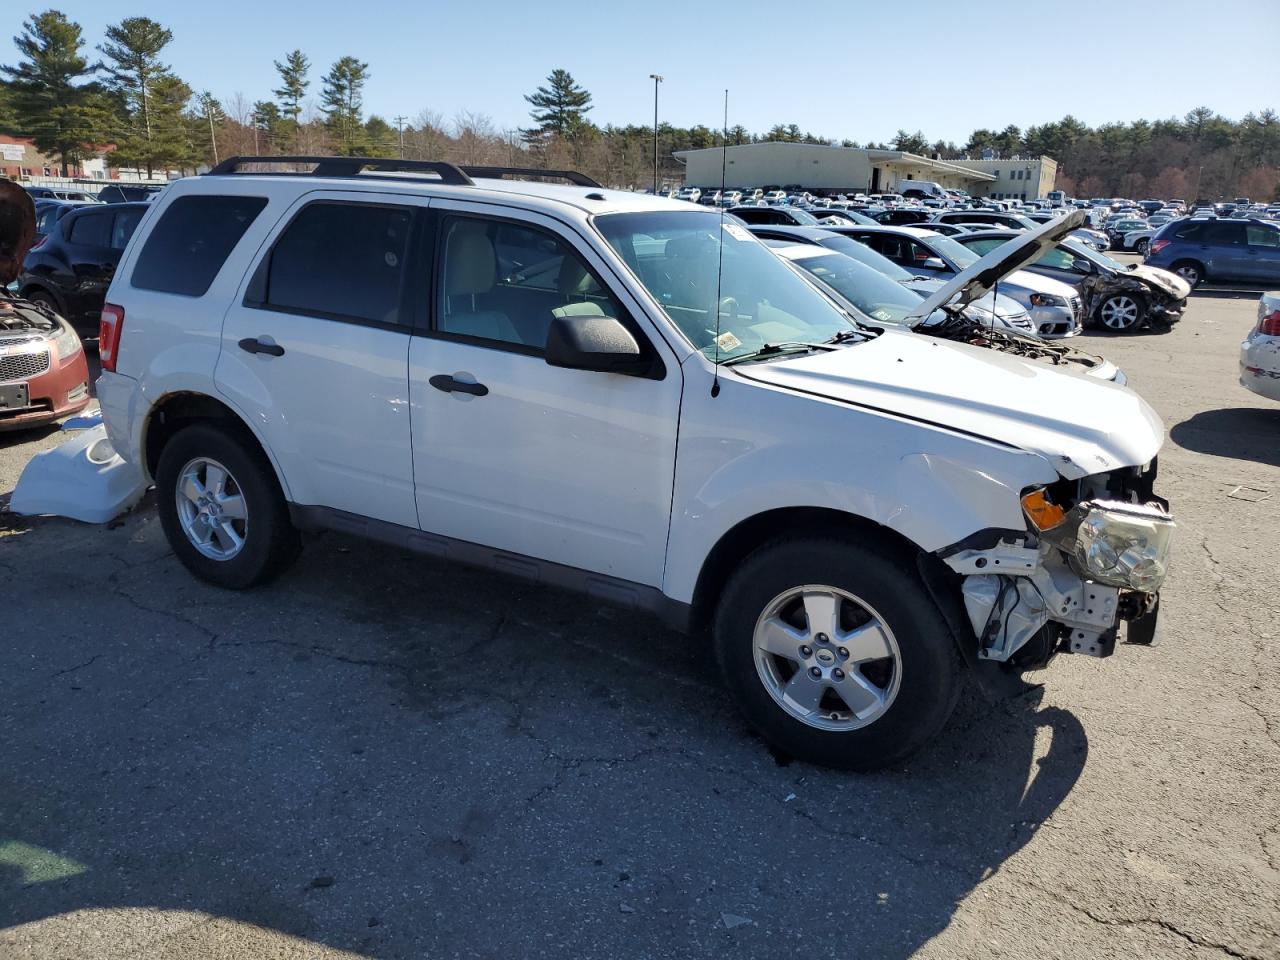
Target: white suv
{"points": [[631, 397]]}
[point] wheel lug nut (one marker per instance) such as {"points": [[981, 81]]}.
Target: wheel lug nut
{"points": [[815, 672], [806, 651], [822, 638], [838, 673], [844, 653]]}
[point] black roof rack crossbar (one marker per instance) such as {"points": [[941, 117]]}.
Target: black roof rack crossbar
{"points": [[578, 179], [350, 167]]}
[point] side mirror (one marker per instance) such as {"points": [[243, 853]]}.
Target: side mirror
{"points": [[1081, 265], [934, 263], [594, 342]]}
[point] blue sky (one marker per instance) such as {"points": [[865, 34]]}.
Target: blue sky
{"points": [[816, 64]]}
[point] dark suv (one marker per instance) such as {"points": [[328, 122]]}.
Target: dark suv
{"points": [[1229, 249], [72, 266]]}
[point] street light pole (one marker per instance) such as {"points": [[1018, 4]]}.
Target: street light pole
{"points": [[656, 80]]}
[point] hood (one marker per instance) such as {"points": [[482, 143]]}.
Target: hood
{"points": [[1170, 283], [1080, 425], [976, 281], [1004, 306], [17, 229]]}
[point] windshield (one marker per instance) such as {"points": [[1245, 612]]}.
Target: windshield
{"points": [[957, 253], [1089, 253], [761, 301], [804, 218], [873, 293]]}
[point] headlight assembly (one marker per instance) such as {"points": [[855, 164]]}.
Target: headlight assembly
{"points": [[67, 342], [1124, 545]]}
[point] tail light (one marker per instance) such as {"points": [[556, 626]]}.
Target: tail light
{"points": [[110, 326], [1158, 245], [1269, 325]]}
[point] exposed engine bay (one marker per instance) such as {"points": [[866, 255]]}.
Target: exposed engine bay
{"points": [[964, 329], [1094, 555]]}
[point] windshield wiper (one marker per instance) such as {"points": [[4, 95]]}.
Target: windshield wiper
{"points": [[776, 350], [844, 336]]}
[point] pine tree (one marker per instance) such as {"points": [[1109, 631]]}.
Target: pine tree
{"points": [[343, 100], [51, 95], [133, 50], [560, 108], [293, 85]]}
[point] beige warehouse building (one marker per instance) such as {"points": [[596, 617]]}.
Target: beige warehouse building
{"points": [[851, 169]]}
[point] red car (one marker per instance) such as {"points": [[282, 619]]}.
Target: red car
{"points": [[43, 373]]}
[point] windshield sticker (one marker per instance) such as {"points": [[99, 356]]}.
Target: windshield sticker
{"points": [[737, 232], [727, 341]]}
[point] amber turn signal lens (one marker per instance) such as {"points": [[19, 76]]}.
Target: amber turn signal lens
{"points": [[1043, 514]]}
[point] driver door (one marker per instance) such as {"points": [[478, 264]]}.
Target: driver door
{"points": [[571, 467]]}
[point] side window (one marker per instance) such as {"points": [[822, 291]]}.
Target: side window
{"points": [[191, 241], [1260, 236], [1057, 257], [341, 260], [90, 229], [122, 228], [919, 252], [984, 246], [505, 282], [1191, 231], [1225, 233]]}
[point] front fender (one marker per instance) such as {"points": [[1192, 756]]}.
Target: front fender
{"points": [[932, 485]]}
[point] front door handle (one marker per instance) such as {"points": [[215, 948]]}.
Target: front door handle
{"points": [[442, 381], [253, 345]]}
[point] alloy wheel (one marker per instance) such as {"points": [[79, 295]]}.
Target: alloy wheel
{"points": [[212, 509], [827, 658], [1120, 312], [1190, 273]]}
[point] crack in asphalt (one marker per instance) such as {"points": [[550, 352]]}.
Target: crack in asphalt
{"points": [[1166, 926], [78, 666]]}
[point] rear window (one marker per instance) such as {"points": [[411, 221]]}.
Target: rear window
{"points": [[192, 240], [342, 260]]}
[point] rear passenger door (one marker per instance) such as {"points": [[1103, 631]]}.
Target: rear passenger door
{"points": [[1225, 250], [316, 347]]}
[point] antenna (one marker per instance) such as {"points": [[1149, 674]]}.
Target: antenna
{"points": [[724, 156]]}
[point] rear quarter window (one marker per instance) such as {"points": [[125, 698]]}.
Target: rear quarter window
{"points": [[91, 229], [191, 241]]}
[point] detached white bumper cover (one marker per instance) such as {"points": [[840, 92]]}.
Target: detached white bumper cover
{"points": [[83, 478]]}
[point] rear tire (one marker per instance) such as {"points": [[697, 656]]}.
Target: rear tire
{"points": [[888, 672], [1189, 271], [222, 509]]}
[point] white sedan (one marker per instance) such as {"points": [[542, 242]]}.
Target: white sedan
{"points": [[1260, 351]]}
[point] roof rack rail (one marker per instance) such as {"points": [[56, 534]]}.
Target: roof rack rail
{"points": [[577, 179], [347, 167]]}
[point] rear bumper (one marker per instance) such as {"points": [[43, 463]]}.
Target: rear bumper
{"points": [[1260, 366], [123, 404], [59, 392]]}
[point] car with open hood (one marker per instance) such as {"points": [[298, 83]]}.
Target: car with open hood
{"points": [[876, 299], [43, 373], [1114, 296], [635, 398], [1054, 307]]}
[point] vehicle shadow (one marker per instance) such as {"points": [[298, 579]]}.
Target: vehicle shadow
{"points": [[1239, 433], [387, 755]]}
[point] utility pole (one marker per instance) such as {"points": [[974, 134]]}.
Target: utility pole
{"points": [[656, 80], [400, 126]]}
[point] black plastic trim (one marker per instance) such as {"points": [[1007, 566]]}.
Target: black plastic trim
{"points": [[612, 590], [344, 167]]}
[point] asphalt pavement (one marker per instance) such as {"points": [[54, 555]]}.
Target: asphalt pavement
{"points": [[382, 756]]}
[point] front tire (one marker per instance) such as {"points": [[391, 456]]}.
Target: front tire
{"points": [[836, 653], [222, 509], [1121, 312], [1143, 246]]}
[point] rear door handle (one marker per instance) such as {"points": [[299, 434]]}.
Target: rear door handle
{"points": [[253, 345], [442, 381]]}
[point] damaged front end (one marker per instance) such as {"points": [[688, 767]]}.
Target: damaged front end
{"points": [[962, 329], [1163, 294], [1093, 556]]}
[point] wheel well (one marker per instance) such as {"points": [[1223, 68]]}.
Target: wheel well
{"points": [[31, 288], [178, 410], [754, 532]]}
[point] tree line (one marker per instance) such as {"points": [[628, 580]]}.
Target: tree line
{"points": [[73, 101]]}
